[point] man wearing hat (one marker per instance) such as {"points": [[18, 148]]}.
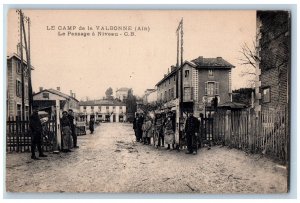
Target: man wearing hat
{"points": [[36, 129], [191, 128], [71, 119]]}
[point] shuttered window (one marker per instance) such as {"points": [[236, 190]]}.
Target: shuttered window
{"points": [[212, 88]]}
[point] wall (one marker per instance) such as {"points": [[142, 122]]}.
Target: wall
{"points": [[221, 76], [164, 87], [12, 76], [274, 52]]}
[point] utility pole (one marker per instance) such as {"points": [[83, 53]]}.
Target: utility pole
{"points": [[22, 64], [27, 49], [179, 82]]}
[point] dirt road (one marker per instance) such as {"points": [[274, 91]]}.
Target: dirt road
{"points": [[111, 161]]}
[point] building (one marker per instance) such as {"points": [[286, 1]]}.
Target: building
{"points": [[103, 110], [14, 86], [122, 93], [47, 97], [273, 69], [203, 80], [150, 96]]}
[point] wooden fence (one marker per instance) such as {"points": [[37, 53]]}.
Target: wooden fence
{"points": [[18, 136], [257, 132]]}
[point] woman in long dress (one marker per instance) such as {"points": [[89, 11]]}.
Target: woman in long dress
{"points": [[169, 131], [67, 140], [147, 126]]}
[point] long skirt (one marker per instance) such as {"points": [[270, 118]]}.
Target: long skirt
{"points": [[67, 137], [169, 138], [156, 137]]}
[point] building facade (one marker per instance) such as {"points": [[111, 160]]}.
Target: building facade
{"points": [[67, 102], [273, 68], [14, 87], [202, 79], [122, 93], [103, 110], [150, 96]]}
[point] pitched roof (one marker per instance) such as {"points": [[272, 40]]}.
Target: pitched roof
{"points": [[11, 55], [53, 91], [101, 102], [201, 62], [211, 62], [123, 89]]}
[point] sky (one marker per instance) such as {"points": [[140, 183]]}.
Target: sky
{"points": [[89, 65]]}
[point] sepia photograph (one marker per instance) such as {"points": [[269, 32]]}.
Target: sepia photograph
{"points": [[148, 101]]}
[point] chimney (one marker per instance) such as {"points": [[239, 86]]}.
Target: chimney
{"points": [[200, 59], [41, 89], [172, 68], [74, 95], [219, 58], [71, 93], [58, 89]]}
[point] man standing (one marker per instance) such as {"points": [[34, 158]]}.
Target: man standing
{"points": [[191, 128], [140, 122], [71, 119], [135, 126], [36, 128]]}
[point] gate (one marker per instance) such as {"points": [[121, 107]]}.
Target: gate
{"points": [[207, 129], [18, 136]]}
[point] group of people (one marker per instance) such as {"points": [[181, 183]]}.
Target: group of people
{"points": [[69, 137], [161, 130]]}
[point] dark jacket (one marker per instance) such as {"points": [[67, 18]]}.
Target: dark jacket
{"points": [[35, 124], [64, 121], [71, 120], [140, 122], [134, 123], [191, 125]]}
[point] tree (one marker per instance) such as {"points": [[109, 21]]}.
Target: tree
{"points": [[130, 102], [109, 93], [250, 61]]}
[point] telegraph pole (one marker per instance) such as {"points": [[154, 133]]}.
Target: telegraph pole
{"points": [[27, 49], [22, 63], [179, 63]]}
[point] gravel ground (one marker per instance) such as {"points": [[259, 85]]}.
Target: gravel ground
{"points": [[111, 161]]}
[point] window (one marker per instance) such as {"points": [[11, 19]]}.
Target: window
{"points": [[92, 107], [212, 88], [18, 64], [174, 77], [266, 95], [84, 107], [169, 94], [46, 95], [186, 73], [19, 88], [210, 73], [26, 92], [19, 112], [120, 107], [114, 107], [107, 107], [187, 93], [166, 96], [99, 108], [172, 93]]}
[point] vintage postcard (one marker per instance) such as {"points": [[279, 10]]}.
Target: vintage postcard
{"points": [[148, 101]]}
